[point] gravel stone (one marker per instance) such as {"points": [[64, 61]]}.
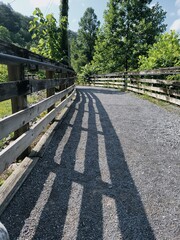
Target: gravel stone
{"points": [[111, 171]]}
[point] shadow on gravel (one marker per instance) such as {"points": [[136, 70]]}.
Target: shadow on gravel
{"points": [[51, 215], [106, 91]]}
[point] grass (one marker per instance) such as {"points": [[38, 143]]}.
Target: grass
{"points": [[153, 100], [5, 108], [168, 106], [5, 175], [36, 97]]}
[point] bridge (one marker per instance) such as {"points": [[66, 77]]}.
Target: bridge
{"points": [[106, 168]]}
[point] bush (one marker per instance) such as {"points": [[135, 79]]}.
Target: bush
{"points": [[85, 73], [164, 53], [3, 73]]}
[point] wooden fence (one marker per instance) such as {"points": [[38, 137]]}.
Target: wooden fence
{"points": [[58, 85], [152, 83]]}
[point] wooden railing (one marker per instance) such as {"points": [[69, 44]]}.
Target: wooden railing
{"points": [[153, 83], [58, 85]]}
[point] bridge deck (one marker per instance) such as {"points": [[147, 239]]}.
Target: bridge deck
{"points": [[111, 171]]}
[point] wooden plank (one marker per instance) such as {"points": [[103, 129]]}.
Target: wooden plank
{"points": [[37, 85], [107, 79], [13, 89], [10, 154], [50, 91], [150, 88], [161, 71], [14, 182], [23, 57], [157, 89], [150, 81], [111, 82], [99, 85], [156, 81], [16, 72], [24, 116], [156, 95], [165, 98]]}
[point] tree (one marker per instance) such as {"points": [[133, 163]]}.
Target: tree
{"points": [[16, 24], [164, 53], [5, 34], [130, 28], [50, 39], [83, 46], [46, 35], [63, 24]]}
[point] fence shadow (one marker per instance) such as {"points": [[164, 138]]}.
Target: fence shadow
{"points": [[45, 197]]}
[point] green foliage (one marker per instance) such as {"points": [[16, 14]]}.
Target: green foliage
{"points": [[85, 73], [130, 27], [164, 53], [51, 40], [46, 34], [82, 48], [5, 108], [173, 77], [3, 73], [16, 24], [5, 174], [5, 34]]}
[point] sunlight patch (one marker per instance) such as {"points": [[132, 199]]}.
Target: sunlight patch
{"points": [[74, 207], [80, 153], [111, 228], [35, 214], [103, 164]]}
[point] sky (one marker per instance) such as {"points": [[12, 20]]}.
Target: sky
{"points": [[78, 7]]}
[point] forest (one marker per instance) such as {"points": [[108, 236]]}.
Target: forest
{"points": [[133, 36]]}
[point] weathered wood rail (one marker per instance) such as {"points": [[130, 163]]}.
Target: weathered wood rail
{"points": [[60, 90], [152, 83]]}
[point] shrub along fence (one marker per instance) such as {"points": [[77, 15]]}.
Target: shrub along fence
{"points": [[60, 90], [163, 84]]}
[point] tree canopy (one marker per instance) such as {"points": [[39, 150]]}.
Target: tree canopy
{"points": [[130, 28], [83, 46], [46, 35], [51, 39], [164, 53], [15, 25]]}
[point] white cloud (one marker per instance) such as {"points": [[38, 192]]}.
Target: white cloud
{"points": [[177, 3], [178, 12], [176, 25], [43, 3]]}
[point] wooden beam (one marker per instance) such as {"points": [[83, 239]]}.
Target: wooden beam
{"points": [[50, 91], [10, 153], [13, 89], [16, 72], [24, 116]]}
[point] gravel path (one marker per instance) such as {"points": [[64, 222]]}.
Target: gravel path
{"points": [[111, 171]]}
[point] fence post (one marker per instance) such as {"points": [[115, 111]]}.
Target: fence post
{"points": [[50, 91], [16, 73], [63, 86], [125, 81]]}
